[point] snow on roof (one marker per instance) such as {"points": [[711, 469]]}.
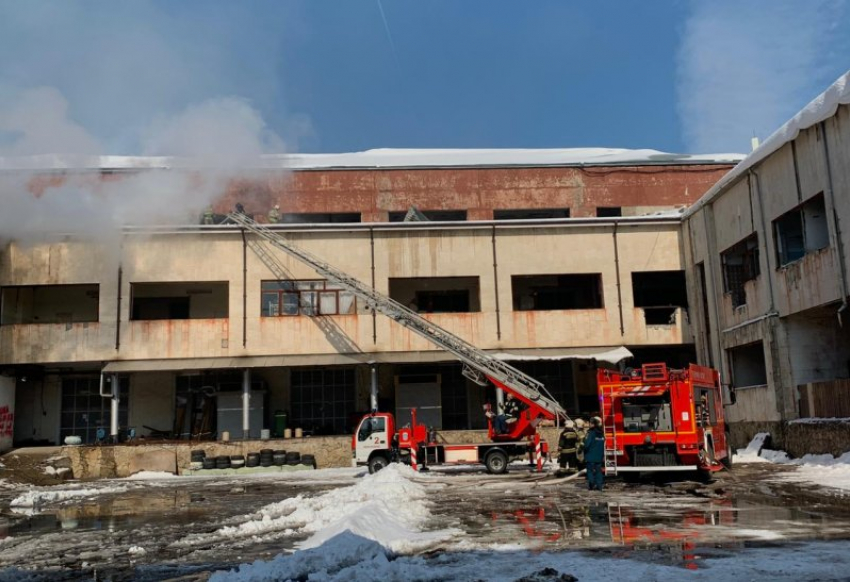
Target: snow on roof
{"points": [[383, 158], [820, 109]]}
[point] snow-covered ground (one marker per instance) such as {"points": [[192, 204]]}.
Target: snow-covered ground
{"points": [[824, 470]]}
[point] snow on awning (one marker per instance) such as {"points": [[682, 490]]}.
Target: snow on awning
{"points": [[606, 354]]}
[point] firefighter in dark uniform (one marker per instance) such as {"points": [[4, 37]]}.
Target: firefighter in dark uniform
{"points": [[594, 454], [568, 447], [512, 408]]}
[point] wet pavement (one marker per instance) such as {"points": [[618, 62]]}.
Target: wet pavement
{"points": [[676, 523]]}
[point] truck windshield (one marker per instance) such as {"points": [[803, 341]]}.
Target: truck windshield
{"points": [[647, 413], [371, 425]]}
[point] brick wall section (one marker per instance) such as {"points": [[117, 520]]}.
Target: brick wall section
{"points": [[375, 193]]}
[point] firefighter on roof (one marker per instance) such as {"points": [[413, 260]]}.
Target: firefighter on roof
{"points": [[274, 214]]}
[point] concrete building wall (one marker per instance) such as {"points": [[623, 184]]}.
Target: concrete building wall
{"points": [[791, 308]]}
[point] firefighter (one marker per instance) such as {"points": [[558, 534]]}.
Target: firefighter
{"points": [[594, 454], [511, 410], [208, 215], [581, 431], [274, 214], [568, 447]]}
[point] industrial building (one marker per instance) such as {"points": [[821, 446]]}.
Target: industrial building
{"points": [[553, 259], [766, 255]]}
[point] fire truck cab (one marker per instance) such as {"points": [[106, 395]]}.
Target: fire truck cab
{"points": [[661, 419]]}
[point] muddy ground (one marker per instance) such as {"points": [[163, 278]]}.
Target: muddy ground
{"points": [[674, 522]]}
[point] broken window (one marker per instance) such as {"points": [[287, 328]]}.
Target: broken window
{"points": [[319, 218], [748, 365], [609, 211], [659, 294], [314, 297], [531, 213], [740, 264], [49, 304], [437, 294], [189, 300], [323, 400], [800, 231], [435, 215], [550, 292]]}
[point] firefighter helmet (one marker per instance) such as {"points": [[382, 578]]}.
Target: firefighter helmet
{"points": [[579, 423], [569, 424]]}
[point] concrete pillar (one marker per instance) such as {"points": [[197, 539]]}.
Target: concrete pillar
{"points": [[246, 404], [113, 411], [373, 395]]}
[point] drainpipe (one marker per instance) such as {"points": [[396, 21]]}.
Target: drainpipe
{"points": [[619, 290], [496, 287], [246, 403], [113, 412], [373, 395], [829, 198]]}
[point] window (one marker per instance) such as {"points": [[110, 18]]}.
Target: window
{"points": [[49, 304], [550, 292], [740, 264], [800, 231], [189, 300], [531, 213], [435, 215], [608, 211], [319, 218], [437, 294], [659, 293], [370, 426], [84, 410], [317, 297], [323, 399], [748, 365]]}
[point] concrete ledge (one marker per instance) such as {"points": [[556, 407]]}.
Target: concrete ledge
{"points": [[245, 471], [797, 437]]}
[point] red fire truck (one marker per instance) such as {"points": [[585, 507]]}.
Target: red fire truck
{"points": [[660, 419]]}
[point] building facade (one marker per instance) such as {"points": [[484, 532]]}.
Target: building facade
{"points": [[766, 255], [181, 319]]}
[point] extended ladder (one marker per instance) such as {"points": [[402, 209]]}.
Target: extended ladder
{"points": [[609, 428], [477, 363]]}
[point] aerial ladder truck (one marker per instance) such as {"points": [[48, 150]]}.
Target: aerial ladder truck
{"points": [[377, 440]]}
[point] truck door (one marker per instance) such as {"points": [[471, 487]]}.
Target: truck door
{"points": [[371, 436]]}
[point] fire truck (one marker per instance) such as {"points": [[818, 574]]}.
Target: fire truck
{"points": [[660, 419], [378, 441]]}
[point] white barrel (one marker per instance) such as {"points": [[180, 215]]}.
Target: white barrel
{"points": [[299, 433], [225, 436], [287, 433]]}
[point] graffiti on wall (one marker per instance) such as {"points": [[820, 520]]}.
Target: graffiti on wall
{"points": [[7, 422]]}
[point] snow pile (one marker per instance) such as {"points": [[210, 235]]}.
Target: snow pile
{"points": [[150, 475], [386, 507], [136, 551], [38, 497], [823, 470]]}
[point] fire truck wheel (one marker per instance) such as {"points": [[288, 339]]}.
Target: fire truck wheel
{"points": [[496, 462], [377, 463]]}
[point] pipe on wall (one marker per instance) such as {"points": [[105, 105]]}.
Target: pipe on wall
{"points": [[246, 403]]}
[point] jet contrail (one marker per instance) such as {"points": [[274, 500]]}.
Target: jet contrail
{"points": [[389, 34]]}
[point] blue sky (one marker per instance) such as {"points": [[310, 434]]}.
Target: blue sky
{"points": [[330, 76]]}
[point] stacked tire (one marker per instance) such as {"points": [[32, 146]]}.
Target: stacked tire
{"points": [[222, 462], [252, 460], [279, 458], [266, 458], [197, 460], [209, 463], [237, 461], [293, 458], [309, 460]]}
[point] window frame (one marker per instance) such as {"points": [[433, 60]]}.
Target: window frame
{"points": [[311, 308]]}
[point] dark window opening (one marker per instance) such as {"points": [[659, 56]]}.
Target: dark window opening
{"points": [[531, 213], [551, 292], [659, 293], [84, 410], [740, 264], [320, 218], [323, 400], [317, 297], [748, 365], [801, 231], [49, 304], [609, 211], [434, 215], [191, 300], [437, 294]]}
